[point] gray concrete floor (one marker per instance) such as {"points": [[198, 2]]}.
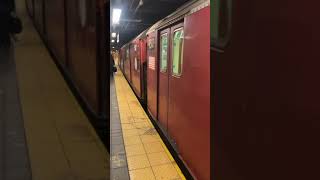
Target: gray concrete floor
{"points": [[14, 161], [119, 165]]}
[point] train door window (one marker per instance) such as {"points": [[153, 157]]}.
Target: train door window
{"points": [[177, 52], [127, 54], [136, 64], [221, 16], [164, 52]]}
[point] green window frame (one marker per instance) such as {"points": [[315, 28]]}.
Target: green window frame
{"points": [[177, 52], [164, 52]]}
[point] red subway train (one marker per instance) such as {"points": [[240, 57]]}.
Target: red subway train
{"points": [[266, 101], [168, 67], [76, 41]]}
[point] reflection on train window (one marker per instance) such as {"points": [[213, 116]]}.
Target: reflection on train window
{"points": [[177, 52], [214, 18], [223, 18], [164, 52], [127, 54], [151, 43], [220, 18]]}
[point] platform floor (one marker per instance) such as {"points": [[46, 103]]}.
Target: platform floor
{"points": [[146, 155], [61, 143]]}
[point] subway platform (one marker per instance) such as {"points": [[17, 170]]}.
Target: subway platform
{"points": [[44, 134], [137, 151]]}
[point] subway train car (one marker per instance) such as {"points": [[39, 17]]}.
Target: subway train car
{"points": [[135, 56], [266, 102], [76, 43], [176, 55]]}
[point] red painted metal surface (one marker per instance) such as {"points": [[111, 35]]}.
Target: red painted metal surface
{"points": [[135, 66], [122, 58], [143, 73], [127, 63], [152, 75], [54, 9], [181, 104], [189, 96], [266, 93], [30, 7], [82, 46], [163, 94], [38, 15]]}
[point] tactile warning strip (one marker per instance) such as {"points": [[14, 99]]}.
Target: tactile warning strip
{"points": [[147, 155]]}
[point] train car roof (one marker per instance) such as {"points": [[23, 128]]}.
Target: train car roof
{"points": [[188, 8], [142, 34]]}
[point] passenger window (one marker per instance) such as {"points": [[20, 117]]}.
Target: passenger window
{"points": [[177, 52], [135, 64], [127, 54], [151, 43], [214, 18], [164, 52], [221, 16]]}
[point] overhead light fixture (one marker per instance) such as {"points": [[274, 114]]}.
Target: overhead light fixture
{"points": [[116, 16], [118, 38], [112, 40], [113, 34]]}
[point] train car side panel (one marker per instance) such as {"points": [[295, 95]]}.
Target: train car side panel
{"points": [[54, 9], [82, 44], [266, 92], [38, 15], [164, 73], [30, 7], [189, 93], [127, 63], [143, 74], [135, 66], [152, 80]]}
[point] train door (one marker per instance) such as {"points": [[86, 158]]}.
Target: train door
{"points": [[143, 56], [164, 57], [170, 49]]}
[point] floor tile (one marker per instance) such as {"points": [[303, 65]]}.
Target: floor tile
{"points": [[149, 138], [142, 174], [153, 147], [130, 132], [136, 149], [158, 158], [132, 140], [138, 162], [166, 171]]}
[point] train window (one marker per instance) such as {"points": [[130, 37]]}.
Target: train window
{"points": [[177, 52], [164, 52], [151, 43], [127, 57], [221, 16], [135, 64]]}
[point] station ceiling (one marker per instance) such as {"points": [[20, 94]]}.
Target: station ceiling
{"points": [[136, 18]]}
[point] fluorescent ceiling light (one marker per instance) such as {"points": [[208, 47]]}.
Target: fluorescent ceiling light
{"points": [[116, 16], [113, 34], [112, 40], [118, 38]]}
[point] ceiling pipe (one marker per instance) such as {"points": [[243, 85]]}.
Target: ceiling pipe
{"points": [[139, 5]]}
